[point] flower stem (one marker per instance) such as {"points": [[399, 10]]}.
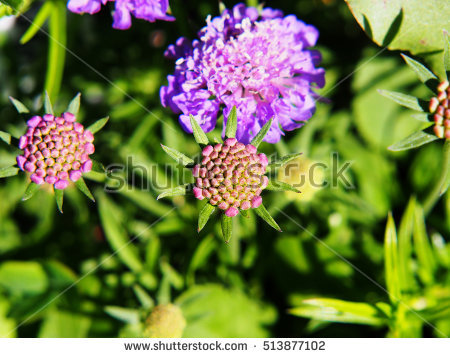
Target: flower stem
{"points": [[252, 3], [436, 192]]}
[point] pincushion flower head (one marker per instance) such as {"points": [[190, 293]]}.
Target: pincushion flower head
{"points": [[56, 150], [149, 10], [229, 176], [258, 61]]}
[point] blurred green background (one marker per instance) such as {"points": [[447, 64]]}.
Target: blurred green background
{"points": [[331, 244]]}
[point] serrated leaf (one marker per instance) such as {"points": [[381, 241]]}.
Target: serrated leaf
{"points": [[48, 108], [264, 214], [74, 105], [204, 215], [333, 310], [178, 156], [391, 263], [199, 134], [20, 107], [8, 171], [143, 297], [59, 197], [403, 99], [123, 314], [6, 137], [81, 185], [283, 161], [415, 140], [231, 127], [31, 189], [424, 74], [227, 227], [178, 190], [38, 22], [276, 185], [262, 133], [95, 127]]}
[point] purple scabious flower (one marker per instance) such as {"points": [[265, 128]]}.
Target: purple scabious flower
{"points": [[149, 10], [259, 62]]}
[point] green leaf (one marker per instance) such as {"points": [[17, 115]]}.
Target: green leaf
{"points": [[6, 137], [403, 99], [422, 117], [446, 53], [391, 263], [415, 140], [98, 167], [227, 227], [143, 297], [81, 185], [175, 279], [424, 74], [20, 277], [127, 315], [20, 107], [59, 197], [283, 161], [48, 108], [74, 105], [199, 134], [96, 126], [38, 22], [231, 127], [8, 171], [264, 214], [276, 185], [204, 215], [262, 133], [31, 189], [179, 190], [244, 213], [60, 324], [333, 310], [178, 156]]}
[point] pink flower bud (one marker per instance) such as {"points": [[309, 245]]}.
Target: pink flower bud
{"points": [[76, 165], [34, 121], [232, 211], [21, 161], [61, 184], [23, 142], [51, 179], [207, 150], [74, 175], [245, 205], [78, 127], [223, 205], [89, 148], [87, 166], [37, 179], [230, 142], [41, 172], [48, 117], [69, 117], [256, 201]]}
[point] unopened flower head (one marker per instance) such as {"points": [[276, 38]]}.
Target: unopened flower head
{"points": [[231, 176], [439, 106], [149, 10], [55, 150], [259, 62]]}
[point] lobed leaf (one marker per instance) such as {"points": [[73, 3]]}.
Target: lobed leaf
{"points": [[276, 185], [178, 156], [98, 125], [391, 264], [31, 189], [282, 161], [74, 105], [424, 74], [20, 107], [231, 127], [59, 197], [415, 140], [81, 185], [178, 190], [262, 133], [204, 215], [264, 214], [227, 227], [199, 134], [8, 171], [403, 99]]}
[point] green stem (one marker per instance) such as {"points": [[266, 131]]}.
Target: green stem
{"points": [[252, 3], [56, 49], [434, 195]]}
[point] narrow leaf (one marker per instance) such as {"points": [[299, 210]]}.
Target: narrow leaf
{"points": [[204, 215], [178, 190], [446, 53], [95, 127], [143, 297], [81, 185], [178, 156], [391, 263], [403, 99], [74, 105], [6, 137], [8, 171], [199, 134], [20, 107], [422, 117], [48, 108], [262, 133], [128, 315], [31, 189], [227, 227], [424, 74], [264, 214], [282, 161], [37, 23], [59, 197], [98, 167], [415, 140], [231, 127], [276, 185]]}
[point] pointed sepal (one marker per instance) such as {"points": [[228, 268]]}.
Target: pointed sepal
{"points": [[96, 126], [178, 156], [59, 198], [425, 75], [199, 134], [283, 161], [244, 213], [98, 167], [231, 127], [405, 100], [9, 171], [262, 133], [178, 190], [81, 185], [264, 214], [227, 227], [20, 107], [275, 185], [204, 215], [5, 137], [31, 189], [74, 105], [415, 140], [48, 108]]}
